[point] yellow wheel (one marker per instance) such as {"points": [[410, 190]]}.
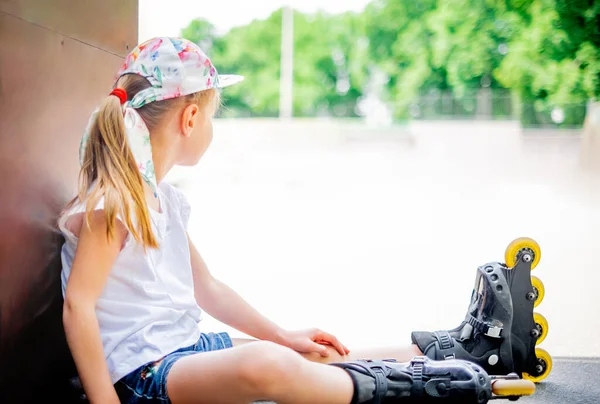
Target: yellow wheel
{"points": [[519, 245], [512, 387], [538, 290], [544, 366], [542, 326]]}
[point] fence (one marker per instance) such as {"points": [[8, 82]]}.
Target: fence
{"points": [[475, 104], [498, 104]]}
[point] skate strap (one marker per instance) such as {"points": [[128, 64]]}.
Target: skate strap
{"points": [[489, 330], [444, 339], [381, 383], [417, 367]]}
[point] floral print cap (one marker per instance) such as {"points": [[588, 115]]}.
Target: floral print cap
{"points": [[174, 67]]}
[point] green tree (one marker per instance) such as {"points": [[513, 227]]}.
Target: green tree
{"points": [[469, 40], [202, 32], [400, 46], [252, 51], [546, 52], [554, 59], [329, 63]]}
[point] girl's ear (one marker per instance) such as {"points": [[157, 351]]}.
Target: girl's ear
{"points": [[189, 118]]}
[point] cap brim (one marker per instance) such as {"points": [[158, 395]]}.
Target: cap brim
{"points": [[226, 80]]}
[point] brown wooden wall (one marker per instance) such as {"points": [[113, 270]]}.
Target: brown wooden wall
{"points": [[57, 61]]}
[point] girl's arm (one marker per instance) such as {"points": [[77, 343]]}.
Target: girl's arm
{"points": [[92, 263]]}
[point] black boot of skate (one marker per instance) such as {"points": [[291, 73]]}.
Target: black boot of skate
{"points": [[500, 330], [426, 381], [423, 380]]}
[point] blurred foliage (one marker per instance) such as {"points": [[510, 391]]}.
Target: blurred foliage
{"points": [[554, 57], [545, 52]]}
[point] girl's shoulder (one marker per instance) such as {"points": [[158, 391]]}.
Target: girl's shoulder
{"points": [[74, 214], [72, 217]]}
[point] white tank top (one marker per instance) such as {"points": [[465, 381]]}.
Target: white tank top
{"points": [[147, 308]]}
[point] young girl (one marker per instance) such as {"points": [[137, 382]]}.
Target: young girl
{"points": [[134, 283]]}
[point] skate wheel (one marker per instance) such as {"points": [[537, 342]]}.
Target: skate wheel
{"points": [[538, 290], [542, 325], [544, 366], [512, 388], [523, 244]]}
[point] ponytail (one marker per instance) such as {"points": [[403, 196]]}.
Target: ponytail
{"points": [[111, 170]]}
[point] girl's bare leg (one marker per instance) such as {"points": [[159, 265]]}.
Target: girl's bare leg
{"points": [[399, 353], [257, 371]]}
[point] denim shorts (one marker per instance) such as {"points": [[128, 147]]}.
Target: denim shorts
{"points": [[148, 383]]}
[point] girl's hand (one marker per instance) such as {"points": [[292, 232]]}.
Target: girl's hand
{"points": [[313, 340]]}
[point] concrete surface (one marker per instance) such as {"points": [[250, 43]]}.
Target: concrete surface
{"points": [[573, 380]]}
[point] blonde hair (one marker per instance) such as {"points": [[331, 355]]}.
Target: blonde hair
{"points": [[109, 169]]}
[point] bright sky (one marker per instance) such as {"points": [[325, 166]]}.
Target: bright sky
{"points": [[168, 17]]}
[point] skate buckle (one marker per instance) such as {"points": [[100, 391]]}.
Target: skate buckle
{"points": [[494, 331]]}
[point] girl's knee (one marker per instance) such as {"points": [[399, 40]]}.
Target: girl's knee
{"points": [[267, 367]]}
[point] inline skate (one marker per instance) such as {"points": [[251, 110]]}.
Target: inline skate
{"points": [[423, 380], [500, 331]]}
